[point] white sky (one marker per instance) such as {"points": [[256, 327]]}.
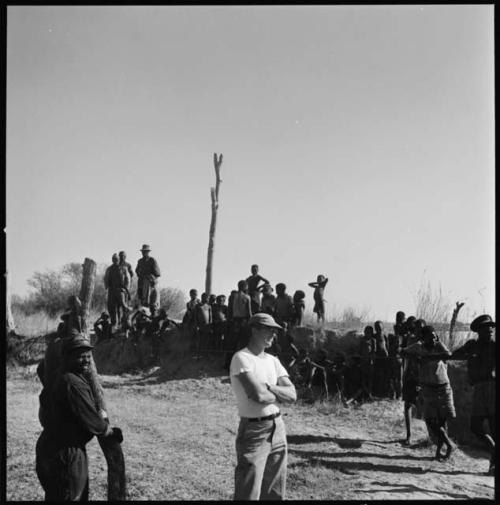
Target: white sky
{"points": [[358, 143]]}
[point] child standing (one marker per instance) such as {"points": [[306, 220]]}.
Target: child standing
{"points": [[319, 300]]}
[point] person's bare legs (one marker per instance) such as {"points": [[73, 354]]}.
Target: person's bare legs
{"points": [[407, 413]]}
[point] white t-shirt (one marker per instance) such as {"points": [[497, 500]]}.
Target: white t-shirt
{"points": [[265, 368]]}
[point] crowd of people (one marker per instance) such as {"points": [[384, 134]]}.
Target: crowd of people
{"points": [[254, 330]]}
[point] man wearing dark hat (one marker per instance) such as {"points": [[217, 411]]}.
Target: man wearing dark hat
{"points": [[147, 271], [259, 382], [480, 356], [70, 420]]}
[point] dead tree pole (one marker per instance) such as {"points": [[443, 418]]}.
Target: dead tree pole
{"points": [[11, 327], [456, 310], [87, 289], [214, 193]]}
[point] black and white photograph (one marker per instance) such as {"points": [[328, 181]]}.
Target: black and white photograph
{"points": [[250, 252]]}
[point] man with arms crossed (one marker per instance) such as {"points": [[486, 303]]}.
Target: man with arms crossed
{"points": [[259, 382]]}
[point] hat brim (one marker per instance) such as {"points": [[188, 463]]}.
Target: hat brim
{"points": [[82, 347], [269, 325]]}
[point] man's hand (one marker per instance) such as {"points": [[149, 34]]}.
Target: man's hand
{"points": [[117, 434]]}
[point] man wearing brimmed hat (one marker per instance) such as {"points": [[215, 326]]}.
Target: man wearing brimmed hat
{"points": [[71, 420], [147, 271], [480, 356], [259, 382]]}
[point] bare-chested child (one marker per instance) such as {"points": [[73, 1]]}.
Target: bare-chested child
{"points": [[219, 316], [102, 327], [319, 298], [299, 307], [284, 305], [268, 302], [189, 316], [381, 366], [253, 287], [367, 354], [203, 317]]}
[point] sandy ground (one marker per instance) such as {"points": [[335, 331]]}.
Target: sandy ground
{"points": [[179, 444]]}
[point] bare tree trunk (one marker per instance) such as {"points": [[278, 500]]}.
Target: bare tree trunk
{"points": [[11, 327], [456, 310], [87, 289], [214, 193]]}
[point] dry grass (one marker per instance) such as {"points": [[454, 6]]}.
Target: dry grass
{"points": [[179, 445]]}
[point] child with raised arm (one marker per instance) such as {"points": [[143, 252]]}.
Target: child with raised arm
{"points": [[319, 300]]}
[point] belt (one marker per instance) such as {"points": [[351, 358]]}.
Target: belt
{"points": [[266, 418]]}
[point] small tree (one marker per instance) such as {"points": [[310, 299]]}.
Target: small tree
{"points": [[431, 304], [172, 300]]}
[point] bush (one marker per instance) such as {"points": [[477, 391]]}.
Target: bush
{"points": [[52, 288]]}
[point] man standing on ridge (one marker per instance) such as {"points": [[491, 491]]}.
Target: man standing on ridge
{"points": [[253, 287], [147, 271]]}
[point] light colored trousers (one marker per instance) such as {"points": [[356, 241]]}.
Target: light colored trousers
{"points": [[261, 452]]}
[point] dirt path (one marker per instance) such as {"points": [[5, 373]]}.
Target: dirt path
{"points": [[179, 444]]}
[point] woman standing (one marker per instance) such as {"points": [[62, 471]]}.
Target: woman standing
{"points": [[436, 390]]}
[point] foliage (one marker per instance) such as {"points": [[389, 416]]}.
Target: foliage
{"points": [[431, 304], [172, 300], [51, 289]]}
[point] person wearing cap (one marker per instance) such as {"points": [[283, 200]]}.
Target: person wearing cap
{"points": [[436, 391], [260, 382], [71, 418], [147, 271], [480, 356], [253, 287]]}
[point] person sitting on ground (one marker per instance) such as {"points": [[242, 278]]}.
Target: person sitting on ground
{"points": [[284, 305], [381, 363], [337, 376], [367, 353], [481, 357], [299, 307], [302, 367], [319, 296], [253, 288], [268, 302], [354, 380], [436, 390], [203, 317], [141, 320], [75, 321], [289, 353], [319, 375], [102, 327]]}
